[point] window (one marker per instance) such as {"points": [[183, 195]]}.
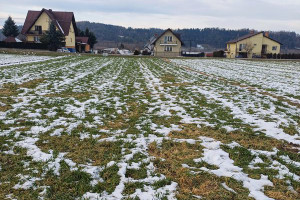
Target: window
{"points": [[274, 48], [36, 39], [242, 46], [168, 48], [168, 39], [38, 29]]}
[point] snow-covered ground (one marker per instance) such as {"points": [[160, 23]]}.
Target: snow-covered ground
{"points": [[13, 59], [109, 128]]}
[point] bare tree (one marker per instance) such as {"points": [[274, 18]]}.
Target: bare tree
{"points": [[248, 48]]}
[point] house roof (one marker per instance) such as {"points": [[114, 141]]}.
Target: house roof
{"points": [[250, 35], [62, 20], [83, 40], [177, 35], [11, 39]]}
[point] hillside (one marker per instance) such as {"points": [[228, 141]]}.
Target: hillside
{"points": [[214, 37]]}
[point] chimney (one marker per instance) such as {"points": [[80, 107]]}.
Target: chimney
{"points": [[267, 34]]}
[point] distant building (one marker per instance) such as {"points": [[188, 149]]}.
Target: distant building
{"points": [[38, 22], [252, 45], [168, 44], [199, 46], [209, 54], [82, 44]]}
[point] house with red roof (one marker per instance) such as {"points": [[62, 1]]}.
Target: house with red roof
{"points": [[38, 22]]}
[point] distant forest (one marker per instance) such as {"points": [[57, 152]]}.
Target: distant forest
{"points": [[215, 37]]}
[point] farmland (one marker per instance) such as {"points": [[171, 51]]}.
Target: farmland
{"points": [[81, 127]]}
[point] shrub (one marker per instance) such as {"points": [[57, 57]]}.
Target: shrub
{"points": [[146, 53], [219, 54], [136, 52]]}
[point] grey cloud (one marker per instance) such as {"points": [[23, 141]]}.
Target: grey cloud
{"points": [[227, 11]]}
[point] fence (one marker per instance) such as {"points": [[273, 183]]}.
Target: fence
{"points": [[193, 54], [283, 56]]}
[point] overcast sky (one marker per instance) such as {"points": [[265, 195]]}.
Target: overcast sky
{"points": [[233, 14]]}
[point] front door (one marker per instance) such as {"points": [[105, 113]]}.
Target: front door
{"points": [[264, 49]]}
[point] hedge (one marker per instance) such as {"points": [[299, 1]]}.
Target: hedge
{"points": [[23, 45], [283, 56]]}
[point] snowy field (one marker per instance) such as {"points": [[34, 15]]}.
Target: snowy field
{"points": [[13, 59], [143, 128]]}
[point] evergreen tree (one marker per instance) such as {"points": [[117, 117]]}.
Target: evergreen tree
{"points": [[87, 32], [54, 38], [10, 28], [81, 33], [91, 36], [92, 39], [121, 46]]}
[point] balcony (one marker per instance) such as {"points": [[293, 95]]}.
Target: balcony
{"points": [[168, 43], [36, 32]]}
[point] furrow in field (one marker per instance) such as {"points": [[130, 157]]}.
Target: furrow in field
{"points": [[113, 128], [257, 109]]}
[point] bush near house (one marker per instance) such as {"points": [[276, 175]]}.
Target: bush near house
{"points": [[136, 52], [218, 54], [146, 53]]}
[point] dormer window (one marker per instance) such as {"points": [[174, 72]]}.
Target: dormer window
{"points": [[38, 29], [168, 39]]}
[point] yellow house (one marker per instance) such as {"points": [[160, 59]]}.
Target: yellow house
{"points": [[168, 44], [252, 45], [38, 22]]}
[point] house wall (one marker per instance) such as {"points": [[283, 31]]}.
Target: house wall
{"points": [[231, 48], [270, 44], [44, 21], [159, 48], [70, 39], [257, 42]]}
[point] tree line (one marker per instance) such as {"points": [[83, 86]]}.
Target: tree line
{"points": [[215, 37]]}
